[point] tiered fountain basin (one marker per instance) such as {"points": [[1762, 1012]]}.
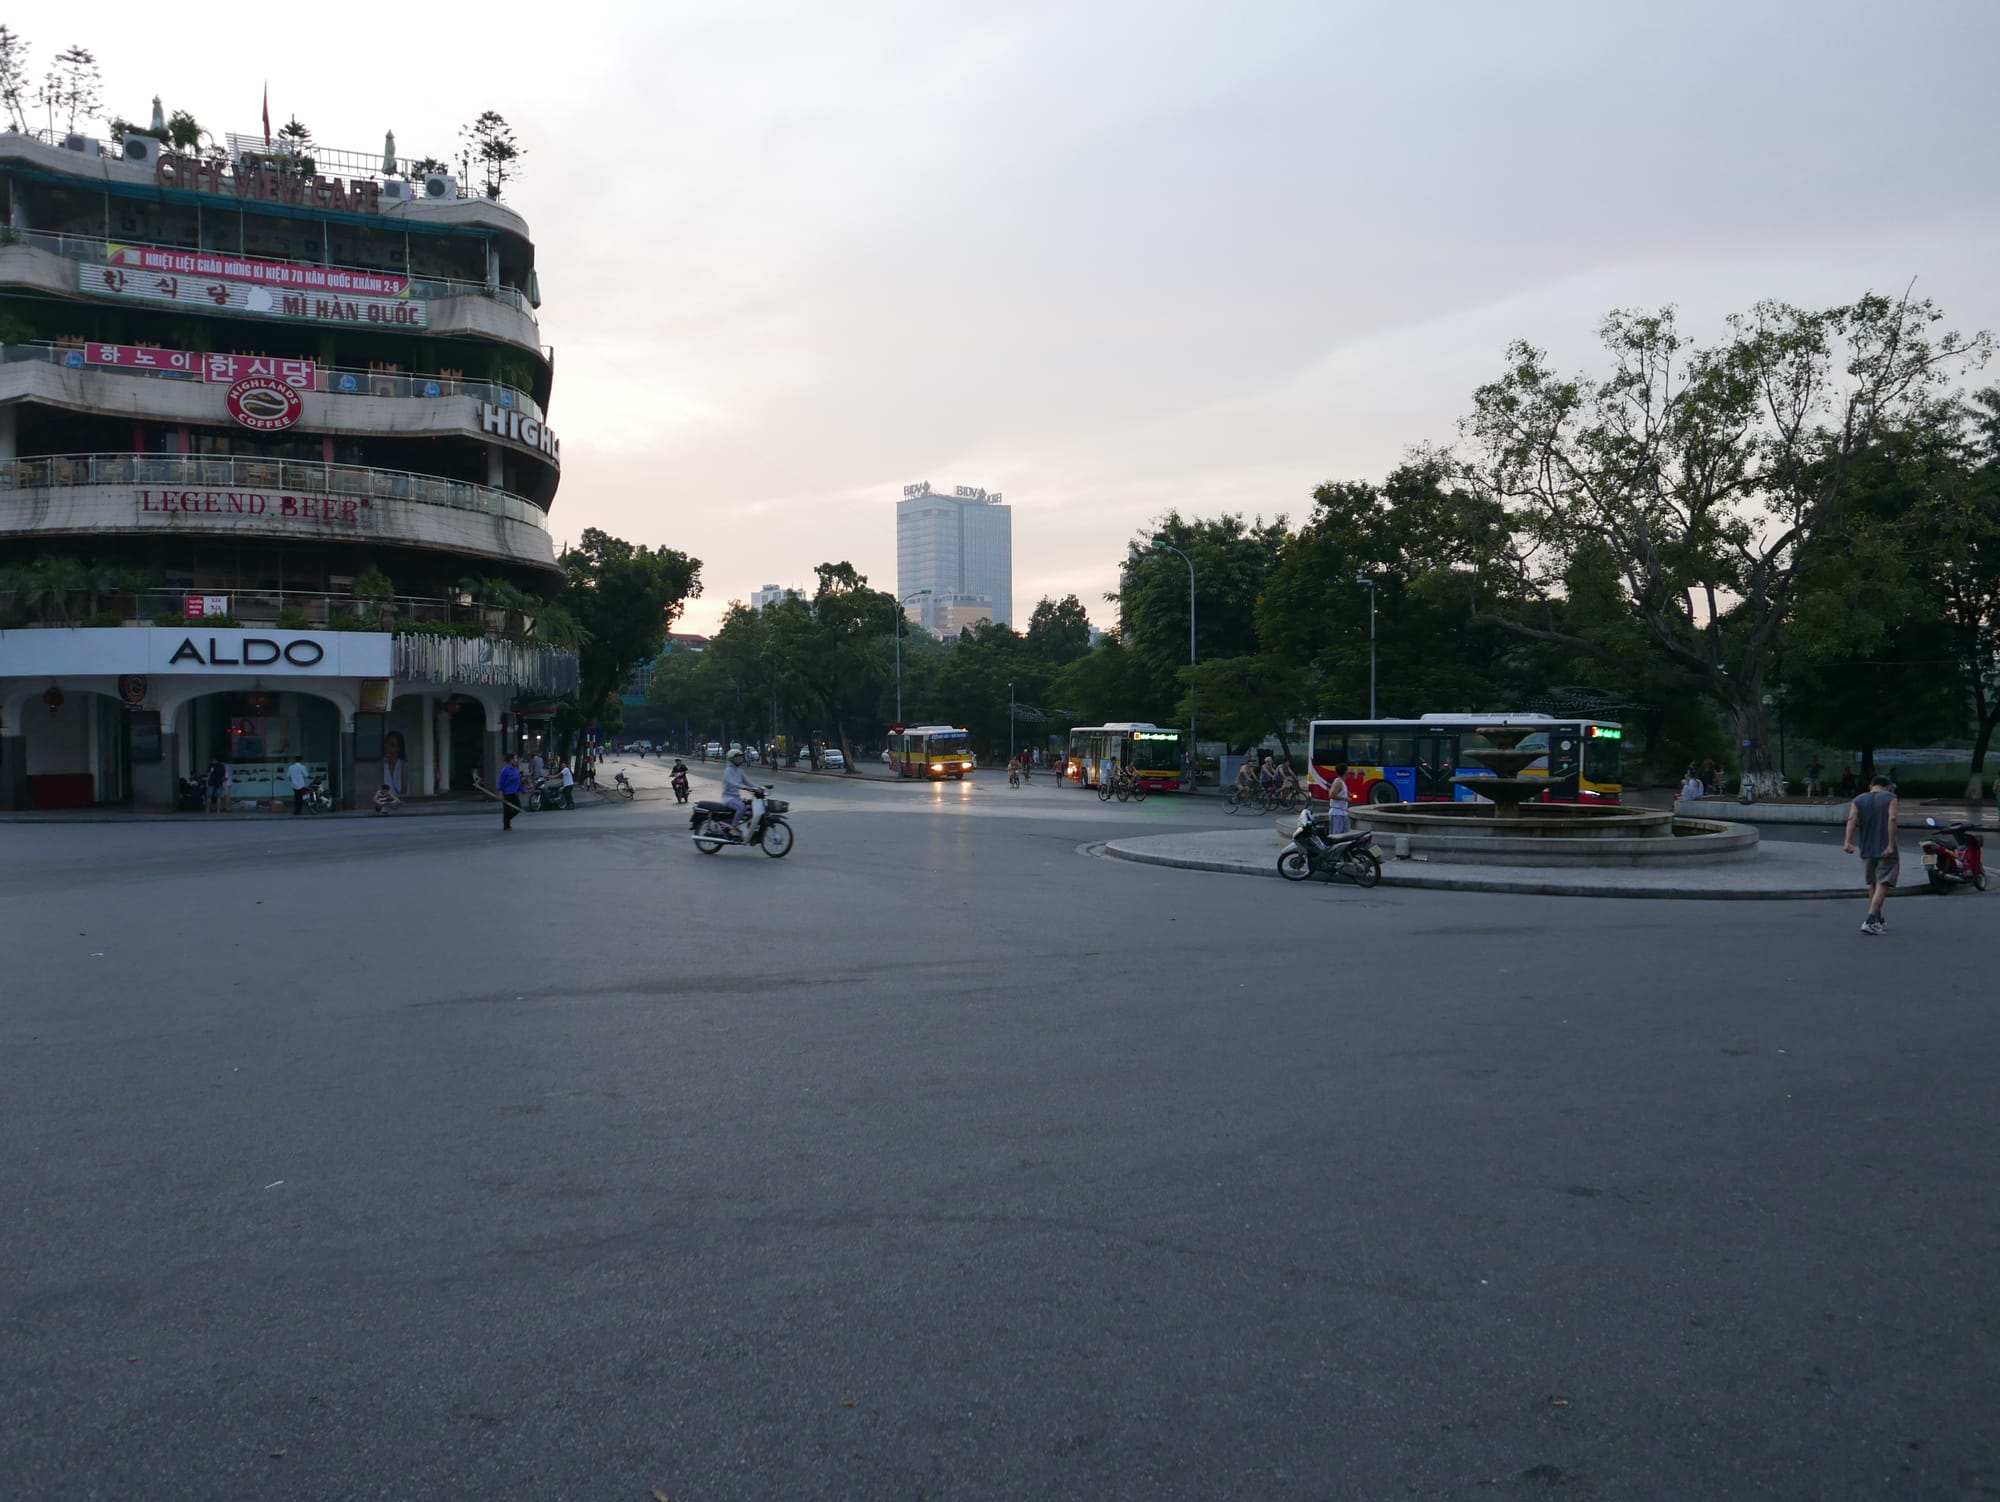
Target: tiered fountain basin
{"points": [[1552, 834]]}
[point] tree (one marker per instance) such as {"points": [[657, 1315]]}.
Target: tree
{"points": [[1232, 558], [1244, 699], [973, 686], [14, 78], [72, 87], [488, 143], [1059, 630], [184, 131], [623, 598], [1705, 475], [824, 656], [1109, 683]]}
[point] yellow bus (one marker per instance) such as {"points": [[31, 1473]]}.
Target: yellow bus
{"points": [[933, 751]]}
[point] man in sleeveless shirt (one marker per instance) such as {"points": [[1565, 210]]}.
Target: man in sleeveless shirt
{"points": [[1871, 833]]}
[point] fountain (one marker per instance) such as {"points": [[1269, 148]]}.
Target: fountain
{"points": [[1501, 829], [1506, 789]]}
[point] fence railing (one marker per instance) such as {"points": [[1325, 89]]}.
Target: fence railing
{"points": [[531, 667], [297, 476], [91, 250], [334, 380], [330, 161]]}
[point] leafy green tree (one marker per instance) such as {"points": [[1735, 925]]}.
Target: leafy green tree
{"points": [[973, 687], [827, 665], [1232, 559], [1707, 473], [1059, 630], [488, 143], [1108, 683], [623, 598], [1244, 699]]}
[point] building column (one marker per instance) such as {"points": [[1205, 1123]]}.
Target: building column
{"points": [[495, 755], [10, 429], [496, 476], [13, 771], [346, 799], [492, 266], [155, 783]]}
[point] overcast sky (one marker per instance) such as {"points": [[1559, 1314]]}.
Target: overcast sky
{"points": [[1111, 257]]}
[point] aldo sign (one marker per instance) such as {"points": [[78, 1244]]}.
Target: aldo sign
{"points": [[193, 649]]}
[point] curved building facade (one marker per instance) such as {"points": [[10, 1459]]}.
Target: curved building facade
{"points": [[274, 458]]}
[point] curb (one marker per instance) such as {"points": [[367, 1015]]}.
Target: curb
{"points": [[1397, 874]]}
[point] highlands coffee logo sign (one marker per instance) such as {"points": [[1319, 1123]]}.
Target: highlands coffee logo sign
{"points": [[264, 404], [258, 652]]}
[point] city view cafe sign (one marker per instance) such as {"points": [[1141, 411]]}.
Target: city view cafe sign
{"points": [[269, 182]]}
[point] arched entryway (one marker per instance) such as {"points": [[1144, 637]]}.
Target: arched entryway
{"points": [[73, 749], [256, 734]]}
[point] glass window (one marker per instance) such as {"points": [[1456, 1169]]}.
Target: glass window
{"points": [[1398, 750], [1363, 748], [1603, 761]]}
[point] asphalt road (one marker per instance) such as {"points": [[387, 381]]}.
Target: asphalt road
{"points": [[403, 1159]]}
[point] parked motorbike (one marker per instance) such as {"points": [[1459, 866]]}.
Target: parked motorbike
{"points": [[548, 795], [764, 825], [318, 799], [1953, 857], [1313, 851]]}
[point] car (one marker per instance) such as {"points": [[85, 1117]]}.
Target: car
{"points": [[713, 750], [833, 761]]}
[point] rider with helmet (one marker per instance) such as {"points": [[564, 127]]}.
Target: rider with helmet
{"points": [[734, 783]]}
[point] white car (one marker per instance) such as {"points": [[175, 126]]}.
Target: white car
{"points": [[833, 761]]}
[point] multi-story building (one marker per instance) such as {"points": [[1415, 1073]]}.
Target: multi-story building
{"points": [[959, 547], [772, 594], [944, 616], [275, 474]]}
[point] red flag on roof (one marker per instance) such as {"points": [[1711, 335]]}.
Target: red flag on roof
{"points": [[267, 112]]}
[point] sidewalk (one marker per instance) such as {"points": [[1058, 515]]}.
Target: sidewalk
{"points": [[1778, 872]]}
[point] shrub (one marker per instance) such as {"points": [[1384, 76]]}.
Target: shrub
{"points": [[291, 618], [102, 619]]}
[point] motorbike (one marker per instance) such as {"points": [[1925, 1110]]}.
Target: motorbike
{"points": [[1314, 851], [1953, 857], [548, 794], [764, 825], [318, 799], [680, 781]]}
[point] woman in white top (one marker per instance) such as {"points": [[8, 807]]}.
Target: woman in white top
{"points": [[1339, 799]]}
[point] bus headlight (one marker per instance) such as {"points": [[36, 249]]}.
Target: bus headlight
{"points": [[937, 766]]}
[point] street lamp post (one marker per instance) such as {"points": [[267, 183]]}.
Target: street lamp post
{"points": [[900, 604], [1361, 576], [1010, 722], [1194, 744]]}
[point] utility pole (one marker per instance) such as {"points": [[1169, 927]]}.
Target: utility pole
{"points": [[1362, 576], [1010, 722], [905, 600], [1194, 741]]}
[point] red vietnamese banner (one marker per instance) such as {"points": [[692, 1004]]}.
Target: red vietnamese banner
{"points": [[264, 273]]}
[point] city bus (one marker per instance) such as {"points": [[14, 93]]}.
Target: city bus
{"points": [[1414, 761], [933, 751], [1153, 754]]}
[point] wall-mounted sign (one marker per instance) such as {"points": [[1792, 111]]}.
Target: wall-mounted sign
{"points": [[268, 183], [509, 423], [264, 404], [287, 274], [242, 297], [132, 688], [247, 652], [197, 607], [255, 505], [969, 493], [224, 370], [175, 651]]}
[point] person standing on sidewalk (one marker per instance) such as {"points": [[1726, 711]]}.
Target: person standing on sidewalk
{"points": [[510, 792], [1871, 833], [296, 775]]}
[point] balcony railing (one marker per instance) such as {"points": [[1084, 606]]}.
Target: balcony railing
{"points": [[527, 667], [92, 251], [326, 378], [188, 471], [330, 161]]}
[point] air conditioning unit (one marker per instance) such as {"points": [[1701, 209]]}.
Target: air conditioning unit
{"points": [[84, 145], [395, 190], [438, 185], [145, 150]]}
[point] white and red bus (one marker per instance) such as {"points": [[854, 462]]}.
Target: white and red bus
{"points": [[932, 751]]}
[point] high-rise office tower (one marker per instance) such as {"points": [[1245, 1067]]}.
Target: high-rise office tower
{"points": [[960, 547]]}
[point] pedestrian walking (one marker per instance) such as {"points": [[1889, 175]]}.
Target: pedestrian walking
{"points": [[1871, 834], [1339, 799], [296, 775], [568, 787], [212, 801], [1815, 778], [510, 791]]}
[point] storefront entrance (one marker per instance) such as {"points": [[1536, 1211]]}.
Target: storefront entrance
{"points": [[468, 744], [257, 735]]}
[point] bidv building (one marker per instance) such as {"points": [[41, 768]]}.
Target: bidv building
{"points": [[275, 473]]}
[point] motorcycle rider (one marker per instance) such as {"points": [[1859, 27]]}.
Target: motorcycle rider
{"points": [[735, 781], [679, 779]]}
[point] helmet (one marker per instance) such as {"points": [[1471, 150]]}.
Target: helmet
{"points": [[736, 757]]}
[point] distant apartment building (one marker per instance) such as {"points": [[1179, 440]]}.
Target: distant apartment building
{"points": [[771, 594], [960, 547]]}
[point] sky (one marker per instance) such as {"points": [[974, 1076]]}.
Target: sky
{"points": [[1107, 257]]}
